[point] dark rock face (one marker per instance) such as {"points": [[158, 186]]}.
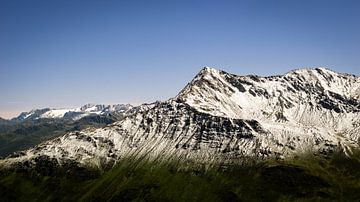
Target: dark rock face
{"points": [[339, 103], [235, 82], [46, 165], [193, 130]]}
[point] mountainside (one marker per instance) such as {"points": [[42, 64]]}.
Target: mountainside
{"points": [[23, 135], [32, 128], [222, 118], [72, 114], [305, 108], [3, 121]]}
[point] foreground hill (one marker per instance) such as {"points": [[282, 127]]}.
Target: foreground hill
{"points": [[334, 177]]}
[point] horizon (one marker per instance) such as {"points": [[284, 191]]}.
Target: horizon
{"points": [[66, 54]]}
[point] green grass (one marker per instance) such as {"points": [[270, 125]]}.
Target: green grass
{"points": [[304, 178]]}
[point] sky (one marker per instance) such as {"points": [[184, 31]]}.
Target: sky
{"points": [[66, 53]]}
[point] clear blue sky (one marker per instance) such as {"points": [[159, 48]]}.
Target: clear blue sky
{"points": [[61, 53]]}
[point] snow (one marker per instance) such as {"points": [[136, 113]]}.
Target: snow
{"points": [[28, 115], [213, 120], [56, 113], [79, 112]]}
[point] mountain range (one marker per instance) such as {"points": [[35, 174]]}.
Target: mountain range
{"points": [[223, 137], [72, 113], [31, 128], [220, 117]]}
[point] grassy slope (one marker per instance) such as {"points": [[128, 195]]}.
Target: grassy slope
{"points": [[304, 178]]}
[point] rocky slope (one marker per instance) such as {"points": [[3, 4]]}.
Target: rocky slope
{"points": [[221, 118]]}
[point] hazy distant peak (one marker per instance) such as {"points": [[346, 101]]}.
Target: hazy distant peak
{"points": [[72, 113]]}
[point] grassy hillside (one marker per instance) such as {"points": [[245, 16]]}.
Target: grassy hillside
{"points": [[305, 178]]}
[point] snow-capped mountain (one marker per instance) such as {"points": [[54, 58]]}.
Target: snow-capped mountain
{"points": [[221, 117], [72, 113]]}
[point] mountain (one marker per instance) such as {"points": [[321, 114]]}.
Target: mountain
{"points": [[222, 118], [305, 108], [72, 113], [291, 137], [3, 121], [32, 128]]}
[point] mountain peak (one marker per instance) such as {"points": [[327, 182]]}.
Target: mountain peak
{"points": [[86, 106], [207, 71], [223, 94], [208, 68]]}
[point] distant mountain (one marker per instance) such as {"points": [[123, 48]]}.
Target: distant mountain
{"points": [[3, 121], [32, 128], [72, 113]]}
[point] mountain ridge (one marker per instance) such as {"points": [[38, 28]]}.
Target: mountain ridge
{"points": [[220, 117], [71, 113]]}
